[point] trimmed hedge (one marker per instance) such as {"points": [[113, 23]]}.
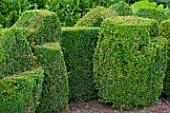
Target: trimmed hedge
{"points": [[122, 8], [78, 46], [55, 85], [95, 16], [15, 52], [129, 66], [165, 32], [152, 14], [44, 26], [20, 93]]}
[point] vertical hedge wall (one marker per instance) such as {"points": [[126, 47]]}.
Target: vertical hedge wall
{"points": [[78, 46], [129, 64], [55, 86], [165, 32], [15, 52], [44, 26], [20, 93]]}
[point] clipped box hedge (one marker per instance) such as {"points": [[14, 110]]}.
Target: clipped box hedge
{"points": [[165, 32], [15, 52], [55, 85], [122, 8], [44, 26], [78, 46], [152, 14], [20, 93], [95, 17], [129, 65]]}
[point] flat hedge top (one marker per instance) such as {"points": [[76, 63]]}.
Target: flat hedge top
{"points": [[132, 20], [79, 28]]}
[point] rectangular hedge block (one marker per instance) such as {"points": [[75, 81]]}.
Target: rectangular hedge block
{"points": [[15, 53], [78, 45], [20, 93], [55, 86]]}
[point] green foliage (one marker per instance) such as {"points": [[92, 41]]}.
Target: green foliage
{"points": [[20, 93], [95, 17], [152, 14], [55, 85], [78, 46], [146, 4], [122, 8], [15, 52], [165, 32], [129, 65], [44, 26]]}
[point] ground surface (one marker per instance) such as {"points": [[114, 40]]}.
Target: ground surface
{"points": [[93, 106]]}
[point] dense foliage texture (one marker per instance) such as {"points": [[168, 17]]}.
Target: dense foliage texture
{"points": [[129, 65], [15, 52], [44, 26], [20, 93], [122, 8], [165, 32], [78, 46], [55, 86], [152, 14], [95, 16]]}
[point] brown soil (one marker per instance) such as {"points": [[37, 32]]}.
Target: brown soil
{"points": [[93, 106]]}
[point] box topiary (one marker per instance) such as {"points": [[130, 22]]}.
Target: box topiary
{"points": [[15, 52], [152, 14], [44, 25], [129, 65], [165, 32], [122, 8], [78, 46], [55, 86], [95, 16], [20, 93]]}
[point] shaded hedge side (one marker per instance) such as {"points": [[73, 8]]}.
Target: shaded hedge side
{"points": [[129, 65], [20, 93], [55, 86], [78, 46]]}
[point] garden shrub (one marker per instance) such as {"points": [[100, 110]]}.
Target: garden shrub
{"points": [[15, 52], [122, 8], [95, 17], [129, 65], [165, 32], [20, 93], [44, 26], [78, 46], [152, 14], [55, 85]]}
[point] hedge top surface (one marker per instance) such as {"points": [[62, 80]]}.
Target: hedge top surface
{"points": [[122, 8], [78, 28], [95, 16]]}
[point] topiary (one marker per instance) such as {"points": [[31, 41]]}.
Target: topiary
{"points": [[129, 65], [122, 8], [152, 14], [20, 92], [55, 85], [15, 53], [44, 26], [95, 16]]}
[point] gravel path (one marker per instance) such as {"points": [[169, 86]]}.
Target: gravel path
{"points": [[93, 106]]}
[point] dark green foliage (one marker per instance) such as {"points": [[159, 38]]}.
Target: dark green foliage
{"points": [[44, 26], [20, 93], [15, 52], [165, 32], [78, 46], [152, 14], [122, 8], [95, 17], [129, 65], [55, 85]]}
